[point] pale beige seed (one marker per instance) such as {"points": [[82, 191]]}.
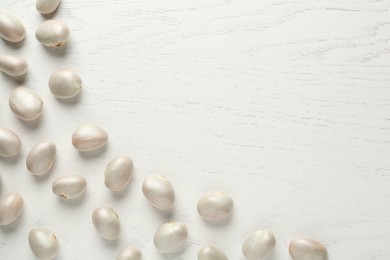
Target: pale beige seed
{"points": [[106, 222], [10, 143], [52, 33], [69, 186], [89, 138], [11, 206], [25, 104], [41, 158], [259, 244], [129, 252], [13, 65], [304, 248], [47, 6], [44, 243], [211, 253], [118, 173], [215, 205], [11, 28], [65, 83], [169, 237], [159, 192]]}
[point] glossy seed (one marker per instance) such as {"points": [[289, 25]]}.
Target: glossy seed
{"points": [[106, 222], [159, 192], [11, 206], [11, 28], [89, 138], [13, 65], [65, 83], [43, 242], [304, 248], [52, 33], [9, 143], [215, 205], [69, 186], [25, 103], [211, 253], [47, 6], [259, 244], [129, 252], [170, 237], [41, 158], [118, 173]]}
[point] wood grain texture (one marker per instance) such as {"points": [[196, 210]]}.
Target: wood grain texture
{"points": [[284, 105]]}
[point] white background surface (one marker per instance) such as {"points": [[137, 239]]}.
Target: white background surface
{"points": [[284, 105]]}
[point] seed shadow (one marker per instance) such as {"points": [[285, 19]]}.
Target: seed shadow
{"points": [[165, 215], [57, 52], [15, 45], [272, 256], [110, 243], [69, 101], [18, 79], [14, 225], [95, 153], [40, 178], [120, 194], [33, 124], [11, 160]]}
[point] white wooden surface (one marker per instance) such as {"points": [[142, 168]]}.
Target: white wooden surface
{"points": [[284, 105]]}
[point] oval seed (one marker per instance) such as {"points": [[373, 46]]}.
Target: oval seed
{"points": [[215, 205], [118, 173], [11, 29], [65, 83], [259, 244], [211, 253], [47, 6], [89, 138], [25, 103], [129, 252], [43, 242], [12, 65], [11, 206], [41, 158], [52, 33], [69, 186], [170, 237], [304, 248], [9, 143], [159, 192], [106, 222]]}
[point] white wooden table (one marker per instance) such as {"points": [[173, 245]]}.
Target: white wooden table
{"points": [[284, 105]]}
